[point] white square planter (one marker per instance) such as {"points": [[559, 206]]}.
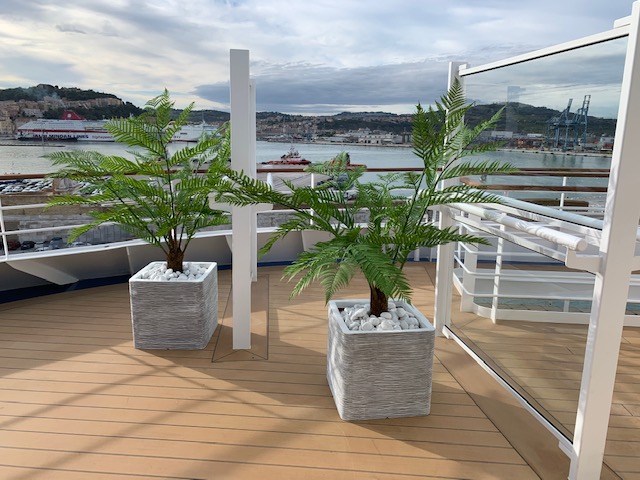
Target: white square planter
{"points": [[379, 374], [174, 315]]}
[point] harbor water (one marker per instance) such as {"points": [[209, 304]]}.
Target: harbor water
{"points": [[20, 158]]}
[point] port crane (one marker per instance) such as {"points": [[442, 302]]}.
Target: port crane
{"points": [[574, 126]]}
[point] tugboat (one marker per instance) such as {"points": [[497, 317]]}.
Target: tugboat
{"points": [[292, 157]]}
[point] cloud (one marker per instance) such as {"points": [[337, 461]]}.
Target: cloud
{"points": [[328, 54], [70, 29], [296, 88]]}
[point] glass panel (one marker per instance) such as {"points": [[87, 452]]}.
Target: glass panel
{"points": [[559, 113]]}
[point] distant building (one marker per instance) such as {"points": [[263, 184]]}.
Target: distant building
{"points": [[605, 143], [500, 135], [32, 112], [7, 127], [379, 138]]}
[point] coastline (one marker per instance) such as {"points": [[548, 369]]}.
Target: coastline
{"points": [[558, 153]]}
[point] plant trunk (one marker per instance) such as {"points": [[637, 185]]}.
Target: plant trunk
{"points": [[379, 301], [174, 260]]}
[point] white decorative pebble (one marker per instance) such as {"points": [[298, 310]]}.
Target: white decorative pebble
{"points": [[386, 325], [367, 326], [160, 273], [360, 313], [357, 318]]}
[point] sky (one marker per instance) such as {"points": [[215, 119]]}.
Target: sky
{"points": [[307, 57]]}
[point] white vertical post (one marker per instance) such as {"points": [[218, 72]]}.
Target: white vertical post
{"points": [[241, 151], [622, 211], [495, 301], [469, 274], [444, 263], [563, 195], [253, 173], [3, 232]]}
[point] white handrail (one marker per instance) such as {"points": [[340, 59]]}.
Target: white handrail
{"points": [[560, 238]]}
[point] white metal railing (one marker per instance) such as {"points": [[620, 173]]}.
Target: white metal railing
{"points": [[545, 233], [38, 232]]}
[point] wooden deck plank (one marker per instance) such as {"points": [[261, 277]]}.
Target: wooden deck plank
{"points": [[241, 468], [168, 452]]}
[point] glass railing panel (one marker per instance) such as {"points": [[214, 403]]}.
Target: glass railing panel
{"points": [[523, 313]]}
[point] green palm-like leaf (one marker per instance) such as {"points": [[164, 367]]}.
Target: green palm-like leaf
{"points": [[157, 196], [397, 205]]}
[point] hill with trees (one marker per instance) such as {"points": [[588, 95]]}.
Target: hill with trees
{"points": [[517, 117], [41, 91]]}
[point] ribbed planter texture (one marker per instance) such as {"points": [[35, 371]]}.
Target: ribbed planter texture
{"points": [[379, 374], [174, 315]]}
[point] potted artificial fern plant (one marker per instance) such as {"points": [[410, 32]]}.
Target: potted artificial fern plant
{"points": [[162, 198], [376, 369]]}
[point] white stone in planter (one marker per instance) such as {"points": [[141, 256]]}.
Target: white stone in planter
{"points": [[175, 314], [379, 374]]}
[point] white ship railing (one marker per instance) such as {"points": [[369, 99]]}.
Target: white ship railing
{"points": [[546, 234], [46, 231]]}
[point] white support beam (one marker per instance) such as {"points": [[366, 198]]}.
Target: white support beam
{"points": [[253, 172], [41, 269], [444, 265], [242, 154], [622, 212]]}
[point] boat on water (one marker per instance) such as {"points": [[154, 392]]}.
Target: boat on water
{"points": [[72, 127], [193, 132], [292, 157]]}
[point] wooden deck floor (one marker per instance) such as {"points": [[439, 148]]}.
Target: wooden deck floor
{"points": [[77, 401]]}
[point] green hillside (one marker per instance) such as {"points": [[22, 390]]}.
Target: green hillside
{"points": [[39, 92], [518, 117]]}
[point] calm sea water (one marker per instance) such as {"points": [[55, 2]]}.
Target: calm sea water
{"points": [[16, 158]]}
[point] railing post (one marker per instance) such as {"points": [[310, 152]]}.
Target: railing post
{"points": [[444, 264], [3, 232], [253, 172], [242, 217], [470, 262], [565, 182], [611, 289], [495, 300]]}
